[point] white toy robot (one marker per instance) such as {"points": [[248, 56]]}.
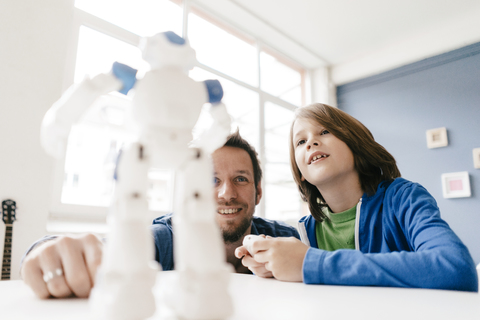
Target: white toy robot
{"points": [[165, 107]]}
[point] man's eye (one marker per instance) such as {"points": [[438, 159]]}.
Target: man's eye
{"points": [[241, 179], [216, 181]]}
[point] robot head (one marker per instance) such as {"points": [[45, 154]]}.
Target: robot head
{"points": [[168, 49]]}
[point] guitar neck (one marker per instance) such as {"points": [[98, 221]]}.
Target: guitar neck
{"points": [[7, 252]]}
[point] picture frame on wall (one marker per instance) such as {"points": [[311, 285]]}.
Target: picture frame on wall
{"points": [[456, 185], [476, 158], [437, 138]]}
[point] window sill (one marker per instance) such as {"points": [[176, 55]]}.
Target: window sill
{"points": [[87, 223], [58, 226]]}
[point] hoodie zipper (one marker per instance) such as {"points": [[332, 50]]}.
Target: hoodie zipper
{"points": [[303, 233], [357, 225]]}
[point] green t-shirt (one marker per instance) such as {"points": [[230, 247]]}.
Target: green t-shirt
{"points": [[338, 231]]}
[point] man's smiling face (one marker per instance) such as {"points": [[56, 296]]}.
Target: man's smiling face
{"points": [[235, 191]]}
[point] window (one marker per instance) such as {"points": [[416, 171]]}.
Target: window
{"points": [[280, 193], [280, 80], [242, 105], [222, 51], [262, 89], [96, 52], [142, 17]]}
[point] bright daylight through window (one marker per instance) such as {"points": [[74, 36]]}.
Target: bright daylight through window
{"points": [[261, 87]]}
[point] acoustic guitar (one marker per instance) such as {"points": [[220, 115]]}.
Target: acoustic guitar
{"points": [[8, 216]]}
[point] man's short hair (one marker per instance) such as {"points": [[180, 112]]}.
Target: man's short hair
{"points": [[235, 140]]}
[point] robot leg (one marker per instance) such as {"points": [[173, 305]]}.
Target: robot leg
{"points": [[201, 289], [123, 288]]}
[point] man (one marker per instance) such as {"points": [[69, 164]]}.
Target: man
{"points": [[238, 190]]}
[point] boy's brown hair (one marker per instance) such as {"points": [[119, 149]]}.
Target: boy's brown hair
{"points": [[372, 162]]}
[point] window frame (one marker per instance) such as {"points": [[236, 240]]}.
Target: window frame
{"points": [[63, 211]]}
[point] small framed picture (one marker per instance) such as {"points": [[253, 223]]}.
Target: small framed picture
{"points": [[437, 138], [476, 158], [456, 185]]}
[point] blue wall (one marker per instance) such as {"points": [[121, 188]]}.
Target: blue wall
{"points": [[398, 106]]}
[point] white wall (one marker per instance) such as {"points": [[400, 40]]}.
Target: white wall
{"points": [[33, 44], [323, 90], [428, 41]]}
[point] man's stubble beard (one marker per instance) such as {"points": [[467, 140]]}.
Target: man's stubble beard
{"points": [[232, 233]]}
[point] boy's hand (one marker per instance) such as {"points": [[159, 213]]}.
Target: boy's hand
{"points": [[248, 261], [283, 257]]}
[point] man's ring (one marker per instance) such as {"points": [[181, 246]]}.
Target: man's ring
{"points": [[52, 274]]}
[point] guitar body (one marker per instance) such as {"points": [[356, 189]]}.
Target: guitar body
{"points": [[8, 217]]}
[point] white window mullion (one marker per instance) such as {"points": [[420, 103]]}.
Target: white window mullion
{"points": [[186, 11], [107, 28], [261, 152], [278, 101], [226, 76], [261, 122], [266, 95]]}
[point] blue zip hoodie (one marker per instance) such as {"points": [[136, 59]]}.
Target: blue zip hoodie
{"points": [[400, 241]]}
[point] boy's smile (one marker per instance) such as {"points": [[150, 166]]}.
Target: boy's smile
{"points": [[323, 159]]}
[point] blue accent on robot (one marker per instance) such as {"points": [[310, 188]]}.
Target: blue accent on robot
{"points": [[174, 38], [215, 91], [115, 173], [125, 74]]}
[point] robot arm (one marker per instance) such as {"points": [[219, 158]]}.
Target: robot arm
{"points": [[68, 110], [215, 137]]}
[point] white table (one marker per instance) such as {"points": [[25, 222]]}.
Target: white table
{"points": [[257, 298]]}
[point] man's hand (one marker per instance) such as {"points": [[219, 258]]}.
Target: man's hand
{"points": [[283, 257], [63, 267]]}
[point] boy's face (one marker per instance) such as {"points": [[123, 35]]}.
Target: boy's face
{"points": [[235, 191], [323, 159]]}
